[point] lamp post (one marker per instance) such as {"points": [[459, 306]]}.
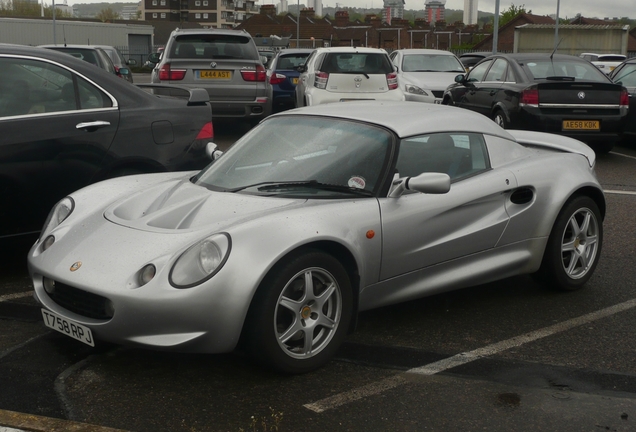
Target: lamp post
{"points": [[495, 30], [298, 27], [556, 28]]}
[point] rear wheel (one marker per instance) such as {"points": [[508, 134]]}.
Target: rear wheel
{"points": [[574, 246], [300, 314], [500, 118]]}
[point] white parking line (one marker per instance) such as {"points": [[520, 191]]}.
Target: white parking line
{"points": [[624, 155], [465, 357], [619, 192], [15, 296]]}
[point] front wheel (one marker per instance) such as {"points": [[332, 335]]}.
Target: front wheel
{"points": [[574, 245], [300, 314]]}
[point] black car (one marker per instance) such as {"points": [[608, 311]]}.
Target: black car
{"points": [[66, 123], [625, 75], [470, 59], [559, 94]]}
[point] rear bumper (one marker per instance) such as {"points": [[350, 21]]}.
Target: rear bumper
{"points": [[256, 109], [611, 125], [322, 97]]}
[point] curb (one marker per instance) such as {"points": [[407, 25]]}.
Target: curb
{"points": [[33, 423]]}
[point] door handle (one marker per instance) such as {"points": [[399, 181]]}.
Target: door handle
{"points": [[92, 126]]}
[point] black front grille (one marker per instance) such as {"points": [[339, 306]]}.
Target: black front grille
{"points": [[81, 302], [438, 93]]}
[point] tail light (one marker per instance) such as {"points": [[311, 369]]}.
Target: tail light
{"points": [[624, 98], [392, 80], [321, 80], [258, 75], [277, 79], [168, 74], [530, 97], [206, 132]]}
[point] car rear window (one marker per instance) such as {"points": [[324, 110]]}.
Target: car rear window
{"points": [[369, 63], [431, 63], [88, 55], [542, 69], [214, 46], [612, 58], [290, 61]]}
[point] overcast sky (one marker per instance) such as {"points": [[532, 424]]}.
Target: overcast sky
{"points": [[567, 9]]}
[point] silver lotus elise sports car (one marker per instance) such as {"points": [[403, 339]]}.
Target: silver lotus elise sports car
{"points": [[314, 215]]}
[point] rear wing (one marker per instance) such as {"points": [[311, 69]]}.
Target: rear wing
{"points": [[554, 142]]}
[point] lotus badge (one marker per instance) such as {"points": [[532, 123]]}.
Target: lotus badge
{"points": [[76, 266]]}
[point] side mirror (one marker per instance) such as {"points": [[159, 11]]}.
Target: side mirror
{"points": [[460, 78], [212, 151], [302, 68], [154, 57], [124, 71], [131, 62], [428, 183], [264, 60]]}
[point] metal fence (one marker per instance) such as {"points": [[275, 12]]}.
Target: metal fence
{"points": [[138, 53]]}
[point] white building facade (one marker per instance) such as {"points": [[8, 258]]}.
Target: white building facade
{"points": [[470, 12]]}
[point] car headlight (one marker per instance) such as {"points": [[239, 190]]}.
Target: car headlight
{"points": [[410, 88], [201, 261], [57, 215]]}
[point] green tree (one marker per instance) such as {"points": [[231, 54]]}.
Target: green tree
{"points": [[511, 13], [107, 15]]}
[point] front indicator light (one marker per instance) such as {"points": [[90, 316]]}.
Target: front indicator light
{"points": [[49, 285], [201, 261], [57, 215], [147, 274], [48, 242]]}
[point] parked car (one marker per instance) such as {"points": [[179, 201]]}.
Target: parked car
{"points": [[470, 59], [93, 55], [625, 75], [283, 76], [120, 63], [267, 54], [345, 74], [316, 214], [224, 62], [66, 124], [548, 93], [605, 62], [424, 74]]}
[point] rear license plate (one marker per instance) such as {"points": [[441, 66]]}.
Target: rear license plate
{"points": [[215, 74], [67, 327], [294, 81], [581, 125]]}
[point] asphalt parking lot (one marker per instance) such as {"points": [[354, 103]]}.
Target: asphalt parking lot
{"points": [[504, 356]]}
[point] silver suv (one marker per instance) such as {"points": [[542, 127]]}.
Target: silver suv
{"points": [[224, 62]]}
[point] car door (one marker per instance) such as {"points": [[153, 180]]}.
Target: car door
{"points": [[305, 79], [467, 95], [421, 230], [56, 129], [488, 90]]}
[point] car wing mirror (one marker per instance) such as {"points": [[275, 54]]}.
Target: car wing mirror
{"points": [[131, 62], [154, 57], [460, 79], [428, 183], [301, 68], [212, 150]]}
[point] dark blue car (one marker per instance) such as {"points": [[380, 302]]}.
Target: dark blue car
{"points": [[283, 76]]}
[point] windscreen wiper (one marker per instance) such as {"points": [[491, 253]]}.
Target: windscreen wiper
{"points": [[313, 184], [560, 78]]}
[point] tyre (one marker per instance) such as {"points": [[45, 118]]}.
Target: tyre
{"points": [[500, 118], [574, 245], [300, 314]]}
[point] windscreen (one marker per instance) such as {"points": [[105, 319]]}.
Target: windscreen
{"points": [[214, 46], [369, 63], [545, 68], [431, 63]]}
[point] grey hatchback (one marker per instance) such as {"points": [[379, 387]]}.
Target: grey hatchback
{"points": [[224, 62]]}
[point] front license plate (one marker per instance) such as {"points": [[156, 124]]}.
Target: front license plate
{"points": [[294, 81], [437, 101], [67, 327], [581, 125], [215, 74]]}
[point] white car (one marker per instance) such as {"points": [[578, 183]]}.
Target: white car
{"points": [[424, 74], [345, 74], [605, 62]]}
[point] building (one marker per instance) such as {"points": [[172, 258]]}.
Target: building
{"points": [[130, 12], [316, 5], [206, 13], [470, 12], [282, 7], [434, 10], [392, 9]]}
